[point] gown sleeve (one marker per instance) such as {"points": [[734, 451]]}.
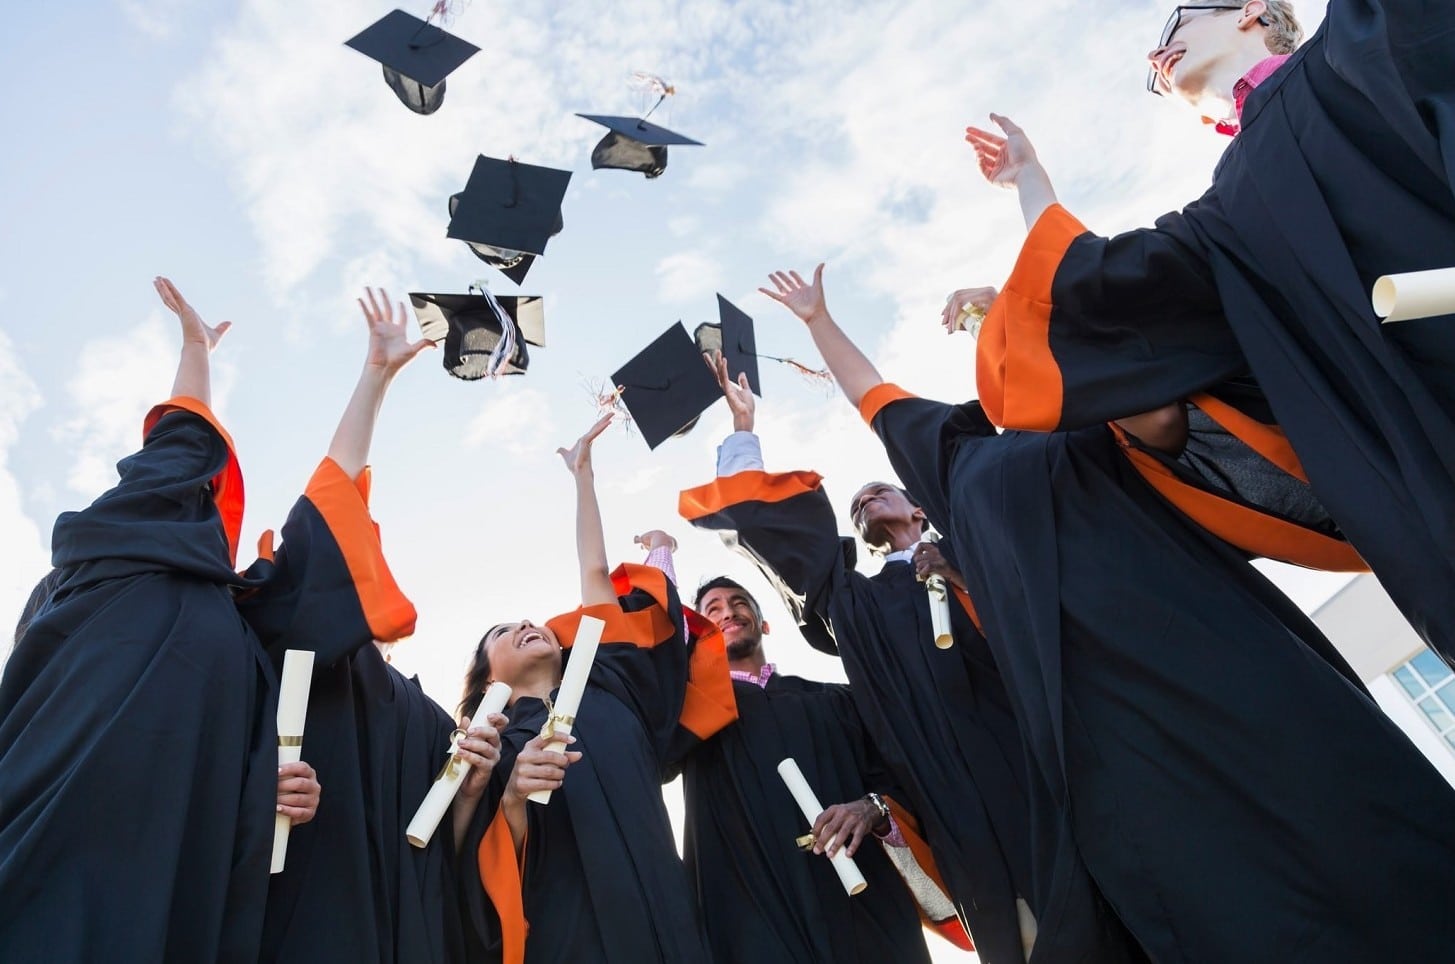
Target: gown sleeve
{"points": [[327, 587], [1089, 329], [785, 524]]}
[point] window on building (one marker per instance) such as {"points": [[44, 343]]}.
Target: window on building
{"points": [[1430, 684]]}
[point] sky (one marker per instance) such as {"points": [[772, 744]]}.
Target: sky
{"points": [[242, 150]]}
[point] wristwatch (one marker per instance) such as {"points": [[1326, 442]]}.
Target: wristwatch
{"points": [[879, 805]]}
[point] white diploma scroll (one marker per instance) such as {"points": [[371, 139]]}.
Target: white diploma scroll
{"points": [[432, 809], [1417, 294], [568, 696], [848, 871], [292, 711], [939, 595]]}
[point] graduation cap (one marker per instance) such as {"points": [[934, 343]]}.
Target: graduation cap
{"points": [[667, 386], [733, 336], [483, 334], [634, 144], [507, 212], [417, 56]]}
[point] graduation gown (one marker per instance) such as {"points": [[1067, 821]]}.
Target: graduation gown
{"points": [[1342, 173], [940, 718], [138, 752], [762, 899], [354, 889], [600, 879], [1218, 771]]}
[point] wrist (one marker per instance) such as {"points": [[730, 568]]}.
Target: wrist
{"points": [[818, 315], [742, 423], [878, 810]]}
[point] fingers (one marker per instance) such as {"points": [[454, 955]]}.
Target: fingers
{"points": [[743, 382], [1006, 124], [818, 275], [772, 294], [598, 428], [298, 768], [297, 785], [299, 815]]}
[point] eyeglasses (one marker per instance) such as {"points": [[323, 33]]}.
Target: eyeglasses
{"points": [[1174, 23]]}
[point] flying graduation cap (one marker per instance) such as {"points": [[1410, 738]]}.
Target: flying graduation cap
{"points": [[416, 55], [507, 212], [666, 387], [483, 334], [634, 143], [733, 336]]}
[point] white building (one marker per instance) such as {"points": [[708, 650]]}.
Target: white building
{"points": [[1411, 683]]}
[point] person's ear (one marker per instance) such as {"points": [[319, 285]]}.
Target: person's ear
{"points": [[766, 630], [1251, 14]]}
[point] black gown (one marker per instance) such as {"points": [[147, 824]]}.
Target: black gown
{"points": [[762, 899], [138, 750], [1342, 173], [354, 889], [1217, 768], [940, 718], [600, 880]]}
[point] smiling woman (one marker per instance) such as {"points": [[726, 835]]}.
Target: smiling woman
{"points": [[561, 865]]}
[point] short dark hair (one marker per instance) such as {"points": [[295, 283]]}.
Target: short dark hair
{"points": [[723, 582], [477, 677]]}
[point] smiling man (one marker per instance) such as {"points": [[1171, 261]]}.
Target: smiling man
{"points": [[1341, 172], [761, 899], [940, 718]]}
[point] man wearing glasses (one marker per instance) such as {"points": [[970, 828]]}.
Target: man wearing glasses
{"points": [[1341, 172]]}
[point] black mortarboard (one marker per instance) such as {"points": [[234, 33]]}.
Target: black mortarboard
{"points": [[733, 336], [471, 330], [507, 213], [417, 56], [667, 386], [634, 144]]}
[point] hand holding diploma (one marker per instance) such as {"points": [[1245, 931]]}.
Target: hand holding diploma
{"points": [[853, 821], [292, 712], [298, 792], [847, 870], [568, 697], [472, 749], [931, 568]]}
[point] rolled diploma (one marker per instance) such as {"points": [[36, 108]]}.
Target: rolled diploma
{"points": [[1416, 294], [573, 685], [853, 881], [939, 595], [292, 711], [432, 809]]}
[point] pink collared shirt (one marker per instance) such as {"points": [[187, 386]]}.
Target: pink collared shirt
{"points": [[1260, 72], [758, 679]]}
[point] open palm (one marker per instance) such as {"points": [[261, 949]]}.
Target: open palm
{"points": [[803, 299], [194, 329], [389, 346], [1002, 159]]}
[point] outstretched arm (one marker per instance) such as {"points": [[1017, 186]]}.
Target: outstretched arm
{"points": [[389, 351], [596, 585], [1011, 161], [194, 370], [850, 367]]}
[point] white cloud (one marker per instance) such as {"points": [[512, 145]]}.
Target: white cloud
{"points": [[514, 419], [24, 559], [155, 18], [117, 381], [688, 276]]}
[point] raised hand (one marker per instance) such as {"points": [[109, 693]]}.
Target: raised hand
{"points": [[578, 456], [803, 299], [738, 394], [194, 329], [1002, 159], [655, 539], [964, 304], [389, 346]]}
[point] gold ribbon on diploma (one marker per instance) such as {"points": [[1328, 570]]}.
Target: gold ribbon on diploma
{"points": [[453, 762], [290, 740]]}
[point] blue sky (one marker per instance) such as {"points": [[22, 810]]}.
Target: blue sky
{"points": [[242, 150], [246, 153]]}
